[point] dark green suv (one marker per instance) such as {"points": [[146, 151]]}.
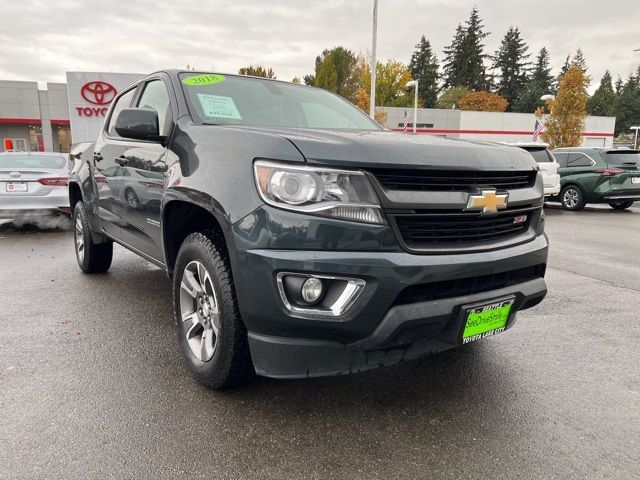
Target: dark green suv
{"points": [[598, 175]]}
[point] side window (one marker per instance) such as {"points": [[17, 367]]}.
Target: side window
{"points": [[121, 103], [155, 96], [579, 160], [561, 158]]}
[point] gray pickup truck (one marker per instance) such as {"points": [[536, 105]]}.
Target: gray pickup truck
{"points": [[302, 239]]}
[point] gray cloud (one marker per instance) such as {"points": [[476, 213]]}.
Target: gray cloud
{"points": [[40, 40]]}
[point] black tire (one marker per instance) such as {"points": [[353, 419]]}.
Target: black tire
{"points": [[621, 205], [230, 364], [572, 198], [92, 257]]}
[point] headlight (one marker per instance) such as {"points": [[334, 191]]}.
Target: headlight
{"points": [[343, 194]]}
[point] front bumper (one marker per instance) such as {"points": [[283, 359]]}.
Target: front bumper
{"points": [[378, 329]]}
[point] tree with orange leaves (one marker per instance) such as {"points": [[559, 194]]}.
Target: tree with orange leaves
{"points": [[567, 113], [483, 102]]}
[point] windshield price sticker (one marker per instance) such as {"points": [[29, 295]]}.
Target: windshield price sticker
{"points": [[204, 79], [217, 106]]}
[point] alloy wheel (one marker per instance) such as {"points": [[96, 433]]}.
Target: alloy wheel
{"points": [[571, 197], [199, 311], [79, 238]]}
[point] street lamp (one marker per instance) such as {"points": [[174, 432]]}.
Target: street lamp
{"points": [[635, 140], [374, 41], [548, 96], [414, 83]]}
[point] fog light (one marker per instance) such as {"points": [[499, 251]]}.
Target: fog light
{"points": [[312, 289]]}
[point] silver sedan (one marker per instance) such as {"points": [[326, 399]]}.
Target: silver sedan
{"points": [[33, 184]]}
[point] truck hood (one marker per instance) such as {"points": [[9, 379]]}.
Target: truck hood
{"points": [[391, 149]]}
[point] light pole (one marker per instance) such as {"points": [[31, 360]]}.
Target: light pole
{"points": [[414, 83], [374, 41], [635, 139]]}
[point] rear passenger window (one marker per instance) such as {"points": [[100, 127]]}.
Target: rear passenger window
{"points": [[121, 103], [579, 160], [561, 158]]}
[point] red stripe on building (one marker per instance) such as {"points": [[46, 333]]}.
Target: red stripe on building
{"points": [[60, 122], [494, 132], [22, 121]]}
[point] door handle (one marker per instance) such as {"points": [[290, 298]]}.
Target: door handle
{"points": [[122, 161], [97, 157]]}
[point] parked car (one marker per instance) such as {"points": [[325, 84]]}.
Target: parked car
{"points": [[547, 164], [33, 184], [302, 239], [598, 175]]}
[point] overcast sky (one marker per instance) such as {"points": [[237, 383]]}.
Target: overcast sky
{"points": [[41, 39]]}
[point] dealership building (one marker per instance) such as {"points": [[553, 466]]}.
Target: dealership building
{"points": [[52, 116]]}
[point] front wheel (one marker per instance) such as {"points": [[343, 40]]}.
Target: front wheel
{"points": [[621, 205], [92, 257], [211, 333], [572, 198]]}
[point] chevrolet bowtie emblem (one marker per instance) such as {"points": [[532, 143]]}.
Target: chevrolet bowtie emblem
{"points": [[488, 201]]}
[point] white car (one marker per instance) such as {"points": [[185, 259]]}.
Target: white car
{"points": [[548, 165], [33, 184]]}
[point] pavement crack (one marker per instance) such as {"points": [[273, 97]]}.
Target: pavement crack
{"points": [[595, 278]]}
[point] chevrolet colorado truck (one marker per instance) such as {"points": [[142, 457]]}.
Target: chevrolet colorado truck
{"points": [[301, 238]]}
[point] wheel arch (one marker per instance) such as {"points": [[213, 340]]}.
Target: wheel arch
{"points": [[181, 218], [75, 194]]}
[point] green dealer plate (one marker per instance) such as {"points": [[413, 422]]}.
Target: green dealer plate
{"points": [[486, 320]]}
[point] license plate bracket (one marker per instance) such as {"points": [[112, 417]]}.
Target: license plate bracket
{"points": [[15, 187], [486, 319]]}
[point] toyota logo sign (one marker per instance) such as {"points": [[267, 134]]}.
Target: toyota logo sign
{"points": [[98, 92]]}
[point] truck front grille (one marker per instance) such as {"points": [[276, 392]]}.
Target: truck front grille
{"points": [[452, 180], [422, 231]]}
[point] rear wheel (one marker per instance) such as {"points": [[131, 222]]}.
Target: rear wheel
{"points": [[572, 198], [621, 205], [211, 333], [92, 257]]}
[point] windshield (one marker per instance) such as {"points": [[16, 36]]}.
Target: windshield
{"points": [[32, 161], [540, 154], [622, 157], [237, 100]]}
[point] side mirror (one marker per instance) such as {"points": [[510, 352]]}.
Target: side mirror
{"points": [[138, 124]]}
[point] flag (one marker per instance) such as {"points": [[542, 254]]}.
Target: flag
{"points": [[537, 129], [405, 122]]}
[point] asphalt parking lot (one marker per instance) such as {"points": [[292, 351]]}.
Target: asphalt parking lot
{"points": [[92, 384]]}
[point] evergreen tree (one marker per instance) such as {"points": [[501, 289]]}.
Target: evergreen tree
{"points": [[619, 84], [628, 105], [464, 58], [424, 68], [453, 60], [603, 101], [512, 66], [474, 50], [565, 67], [579, 60], [540, 82]]}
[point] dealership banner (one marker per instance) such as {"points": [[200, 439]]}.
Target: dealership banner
{"points": [[90, 95]]}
